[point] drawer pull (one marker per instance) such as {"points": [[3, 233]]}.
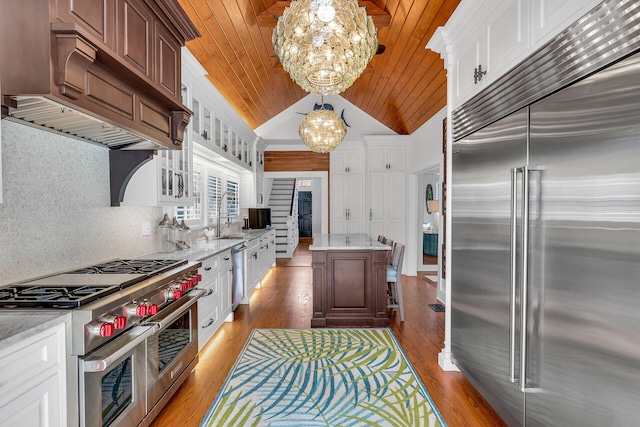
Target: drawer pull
{"points": [[209, 292], [208, 324], [207, 268]]}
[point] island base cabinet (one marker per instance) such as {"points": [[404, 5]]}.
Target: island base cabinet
{"points": [[349, 288]]}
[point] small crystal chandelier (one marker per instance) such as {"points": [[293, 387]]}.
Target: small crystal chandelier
{"points": [[325, 45], [322, 130]]}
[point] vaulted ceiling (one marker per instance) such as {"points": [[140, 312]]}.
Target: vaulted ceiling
{"points": [[402, 87]]}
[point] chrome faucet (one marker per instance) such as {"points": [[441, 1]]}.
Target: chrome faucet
{"points": [[219, 225]]}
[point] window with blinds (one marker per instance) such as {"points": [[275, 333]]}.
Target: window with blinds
{"points": [[233, 199], [214, 191]]}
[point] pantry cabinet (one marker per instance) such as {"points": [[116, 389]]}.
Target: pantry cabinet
{"points": [[347, 197], [347, 189], [33, 381], [347, 160], [387, 157], [386, 187]]}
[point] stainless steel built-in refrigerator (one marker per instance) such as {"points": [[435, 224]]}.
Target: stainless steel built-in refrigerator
{"points": [[545, 273]]}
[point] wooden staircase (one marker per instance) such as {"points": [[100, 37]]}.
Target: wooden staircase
{"points": [[284, 215]]}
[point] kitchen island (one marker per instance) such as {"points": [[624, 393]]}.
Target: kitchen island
{"points": [[349, 281]]}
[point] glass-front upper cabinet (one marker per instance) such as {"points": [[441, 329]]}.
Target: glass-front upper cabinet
{"points": [[195, 119], [218, 132], [225, 137], [206, 124], [174, 166]]}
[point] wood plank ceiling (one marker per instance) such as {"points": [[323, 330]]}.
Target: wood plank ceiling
{"points": [[401, 88]]}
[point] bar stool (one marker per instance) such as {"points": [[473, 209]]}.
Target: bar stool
{"points": [[389, 242], [394, 283]]}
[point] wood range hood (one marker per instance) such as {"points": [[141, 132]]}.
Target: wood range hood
{"points": [[104, 71]]}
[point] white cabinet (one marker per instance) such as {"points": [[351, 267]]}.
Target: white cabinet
{"points": [[347, 160], [387, 157], [215, 305], [497, 35], [492, 47], [261, 256], [252, 194], [387, 205], [347, 196], [386, 187], [174, 175], [549, 17], [347, 189], [33, 381]]}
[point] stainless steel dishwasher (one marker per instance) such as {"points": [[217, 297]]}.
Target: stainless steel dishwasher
{"points": [[237, 274]]}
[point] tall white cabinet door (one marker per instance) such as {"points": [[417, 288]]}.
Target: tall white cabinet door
{"points": [[377, 197], [354, 200], [387, 205], [347, 195]]}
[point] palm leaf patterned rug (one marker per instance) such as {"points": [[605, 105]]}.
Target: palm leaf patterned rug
{"points": [[323, 377]]}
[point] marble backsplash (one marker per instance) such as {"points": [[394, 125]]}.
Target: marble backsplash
{"points": [[56, 212]]}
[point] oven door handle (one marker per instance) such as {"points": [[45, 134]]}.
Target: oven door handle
{"points": [[98, 362], [176, 309]]}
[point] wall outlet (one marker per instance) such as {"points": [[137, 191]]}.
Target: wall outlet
{"points": [[146, 228]]}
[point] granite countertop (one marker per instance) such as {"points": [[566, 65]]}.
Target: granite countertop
{"points": [[323, 242], [203, 249], [16, 325]]}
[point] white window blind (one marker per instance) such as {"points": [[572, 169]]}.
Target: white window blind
{"points": [[233, 199], [214, 191]]}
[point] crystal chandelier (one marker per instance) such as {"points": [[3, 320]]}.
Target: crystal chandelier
{"points": [[325, 45], [322, 130]]}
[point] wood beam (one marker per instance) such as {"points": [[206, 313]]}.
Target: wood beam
{"points": [[269, 16]]}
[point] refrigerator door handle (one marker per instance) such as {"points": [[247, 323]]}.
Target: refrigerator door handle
{"points": [[513, 273]]}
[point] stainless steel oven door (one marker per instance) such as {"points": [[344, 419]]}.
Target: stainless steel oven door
{"points": [[173, 347], [113, 381]]}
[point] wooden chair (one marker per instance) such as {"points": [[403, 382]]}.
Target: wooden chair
{"points": [[394, 283]]}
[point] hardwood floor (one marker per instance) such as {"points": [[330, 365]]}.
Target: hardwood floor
{"points": [[284, 301]]}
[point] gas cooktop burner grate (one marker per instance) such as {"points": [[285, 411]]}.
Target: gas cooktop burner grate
{"points": [[53, 296], [147, 267]]}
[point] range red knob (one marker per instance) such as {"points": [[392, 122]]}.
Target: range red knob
{"points": [[177, 294], [120, 322], [107, 329], [152, 309], [141, 310], [198, 278], [184, 285]]}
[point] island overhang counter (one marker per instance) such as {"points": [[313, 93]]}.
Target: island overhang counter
{"points": [[349, 281]]}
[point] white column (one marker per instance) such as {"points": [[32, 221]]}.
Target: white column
{"points": [[441, 44]]}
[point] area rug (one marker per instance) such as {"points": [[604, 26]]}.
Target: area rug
{"points": [[323, 377]]}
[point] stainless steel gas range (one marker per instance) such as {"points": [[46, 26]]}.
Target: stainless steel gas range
{"points": [[133, 337]]}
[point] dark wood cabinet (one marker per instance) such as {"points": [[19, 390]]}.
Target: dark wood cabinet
{"points": [[349, 288], [168, 62], [135, 27], [117, 61]]}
